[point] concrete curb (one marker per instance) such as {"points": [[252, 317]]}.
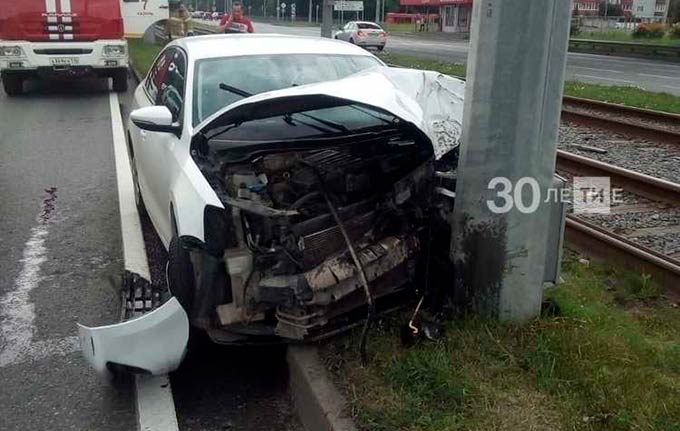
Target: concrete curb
{"points": [[319, 404]]}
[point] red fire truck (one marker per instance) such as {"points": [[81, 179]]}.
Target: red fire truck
{"points": [[70, 38]]}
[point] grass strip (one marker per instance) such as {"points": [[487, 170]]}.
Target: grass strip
{"points": [[610, 360]]}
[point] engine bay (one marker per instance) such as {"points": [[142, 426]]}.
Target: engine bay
{"points": [[299, 212]]}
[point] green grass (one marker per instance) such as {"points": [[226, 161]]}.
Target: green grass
{"points": [[622, 36], [414, 62], [630, 96], [609, 361], [142, 55]]}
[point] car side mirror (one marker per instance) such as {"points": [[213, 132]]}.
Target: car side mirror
{"points": [[154, 119]]}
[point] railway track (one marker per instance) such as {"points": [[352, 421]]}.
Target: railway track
{"points": [[596, 241], [661, 127]]}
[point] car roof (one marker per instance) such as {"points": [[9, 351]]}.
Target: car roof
{"points": [[233, 45], [366, 22]]}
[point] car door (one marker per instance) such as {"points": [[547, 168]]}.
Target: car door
{"points": [[345, 32], [154, 152]]}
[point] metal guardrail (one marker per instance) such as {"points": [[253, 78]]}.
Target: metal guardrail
{"points": [[172, 28], [626, 49]]}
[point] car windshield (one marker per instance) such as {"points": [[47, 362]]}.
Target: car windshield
{"points": [[368, 26], [344, 119], [261, 73]]}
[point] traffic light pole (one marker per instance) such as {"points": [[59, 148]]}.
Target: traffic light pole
{"points": [[513, 99]]}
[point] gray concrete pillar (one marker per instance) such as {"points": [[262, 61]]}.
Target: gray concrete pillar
{"points": [[512, 109]]}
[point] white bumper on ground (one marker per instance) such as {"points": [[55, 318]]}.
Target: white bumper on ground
{"points": [[30, 56], [154, 343]]}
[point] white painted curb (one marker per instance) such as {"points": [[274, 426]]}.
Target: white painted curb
{"points": [[155, 406]]}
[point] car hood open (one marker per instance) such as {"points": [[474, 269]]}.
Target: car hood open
{"points": [[431, 101]]}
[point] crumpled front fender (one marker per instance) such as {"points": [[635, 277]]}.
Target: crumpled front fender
{"points": [[154, 342]]}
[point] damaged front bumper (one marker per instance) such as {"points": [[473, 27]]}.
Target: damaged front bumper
{"points": [[154, 343]]}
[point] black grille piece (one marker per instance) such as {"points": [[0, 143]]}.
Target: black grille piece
{"points": [[63, 51]]}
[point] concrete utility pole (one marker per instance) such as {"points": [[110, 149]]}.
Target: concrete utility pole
{"points": [[310, 11], [327, 19], [513, 98], [377, 11]]}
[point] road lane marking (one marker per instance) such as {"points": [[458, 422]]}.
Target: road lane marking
{"points": [[155, 405], [605, 79], [16, 308], [673, 78], [597, 70]]}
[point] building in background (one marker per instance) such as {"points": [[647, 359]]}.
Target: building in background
{"points": [[644, 9], [455, 16]]}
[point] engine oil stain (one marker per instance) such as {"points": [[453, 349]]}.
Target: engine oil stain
{"points": [[49, 204]]}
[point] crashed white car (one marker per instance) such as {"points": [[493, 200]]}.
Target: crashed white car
{"points": [[294, 181]]}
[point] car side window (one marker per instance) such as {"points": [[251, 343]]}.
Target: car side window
{"points": [[172, 88], [156, 76]]}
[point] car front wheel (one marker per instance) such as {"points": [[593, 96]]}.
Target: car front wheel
{"points": [[180, 274]]}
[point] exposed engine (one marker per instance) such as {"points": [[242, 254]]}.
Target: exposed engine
{"points": [[292, 263]]}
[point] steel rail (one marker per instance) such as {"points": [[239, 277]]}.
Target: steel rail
{"points": [[654, 133], [599, 243], [644, 185]]}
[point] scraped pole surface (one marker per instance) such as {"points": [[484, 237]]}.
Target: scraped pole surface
{"points": [[512, 109]]}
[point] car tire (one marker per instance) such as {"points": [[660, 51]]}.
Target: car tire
{"points": [[380, 48], [180, 274], [351, 40], [13, 85], [120, 81]]}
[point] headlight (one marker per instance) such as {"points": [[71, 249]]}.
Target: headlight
{"points": [[114, 50], [11, 51]]}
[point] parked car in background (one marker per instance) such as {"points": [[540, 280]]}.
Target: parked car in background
{"points": [[364, 34], [61, 39]]}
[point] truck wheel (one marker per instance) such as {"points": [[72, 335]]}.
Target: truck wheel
{"points": [[13, 84], [180, 274], [120, 82]]}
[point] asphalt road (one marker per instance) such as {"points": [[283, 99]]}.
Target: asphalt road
{"points": [[61, 263], [60, 258], [649, 75]]}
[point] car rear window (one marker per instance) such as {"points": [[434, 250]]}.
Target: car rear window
{"points": [[368, 26], [261, 73]]}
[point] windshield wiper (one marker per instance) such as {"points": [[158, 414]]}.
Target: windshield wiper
{"points": [[234, 90], [328, 123], [287, 117]]}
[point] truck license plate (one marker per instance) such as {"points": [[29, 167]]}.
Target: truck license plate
{"points": [[66, 61]]}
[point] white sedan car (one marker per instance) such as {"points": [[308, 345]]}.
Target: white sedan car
{"points": [[364, 34], [290, 180]]}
